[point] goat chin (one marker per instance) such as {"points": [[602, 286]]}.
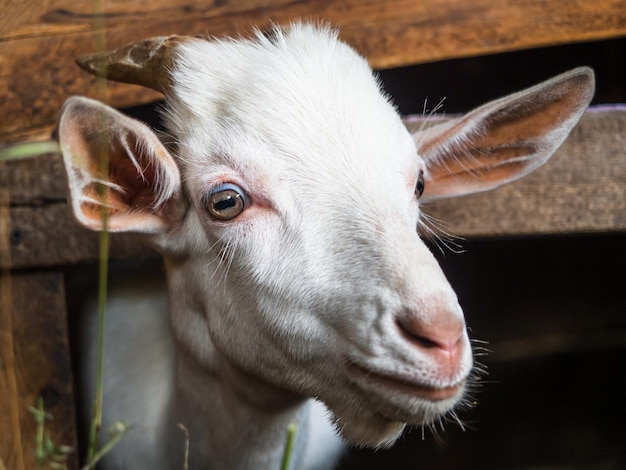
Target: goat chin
{"points": [[377, 430], [369, 430]]}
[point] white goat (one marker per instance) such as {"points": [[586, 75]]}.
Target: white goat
{"points": [[286, 211]]}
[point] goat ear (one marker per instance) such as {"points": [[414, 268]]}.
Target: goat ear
{"points": [[505, 139], [138, 189]]}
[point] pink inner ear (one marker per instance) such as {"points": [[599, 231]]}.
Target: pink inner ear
{"points": [[129, 187], [482, 178], [504, 139], [139, 189], [131, 169], [477, 160]]}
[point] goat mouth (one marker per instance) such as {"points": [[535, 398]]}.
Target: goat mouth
{"points": [[404, 385]]}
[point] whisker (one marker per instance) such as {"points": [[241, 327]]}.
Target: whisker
{"points": [[480, 341], [426, 113], [456, 419], [231, 257], [436, 230]]}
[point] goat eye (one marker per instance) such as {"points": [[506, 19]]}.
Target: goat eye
{"points": [[226, 201], [419, 186]]}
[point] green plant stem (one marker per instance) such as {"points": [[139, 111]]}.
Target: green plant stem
{"points": [[186, 456], [96, 424], [120, 432], [39, 449], [291, 434], [28, 150]]}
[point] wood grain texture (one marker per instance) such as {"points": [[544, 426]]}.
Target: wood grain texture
{"points": [[582, 189], [42, 231], [34, 181], [35, 362], [47, 235], [39, 41]]}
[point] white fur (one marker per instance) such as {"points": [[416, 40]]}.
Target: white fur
{"points": [[321, 288], [329, 163]]}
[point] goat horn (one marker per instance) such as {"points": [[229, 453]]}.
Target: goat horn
{"points": [[145, 62]]}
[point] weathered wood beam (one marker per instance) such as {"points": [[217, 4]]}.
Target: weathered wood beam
{"points": [[47, 235], [34, 362], [582, 189], [39, 42]]}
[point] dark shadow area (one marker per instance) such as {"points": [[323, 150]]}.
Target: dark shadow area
{"points": [[467, 83], [554, 312]]}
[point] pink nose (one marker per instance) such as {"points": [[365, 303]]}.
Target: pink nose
{"points": [[442, 340]]}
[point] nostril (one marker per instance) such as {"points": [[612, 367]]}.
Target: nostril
{"points": [[442, 337], [414, 336], [422, 340], [441, 342]]}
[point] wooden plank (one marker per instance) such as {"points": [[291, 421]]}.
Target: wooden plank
{"points": [[582, 189], [34, 181], [38, 43], [34, 362], [42, 231], [47, 235]]}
